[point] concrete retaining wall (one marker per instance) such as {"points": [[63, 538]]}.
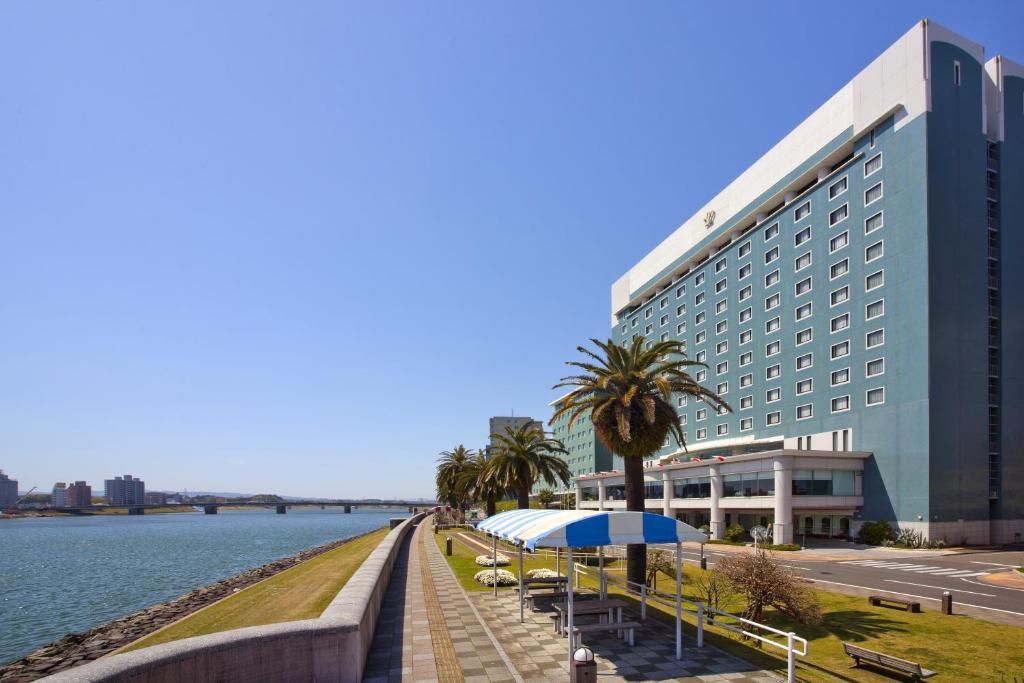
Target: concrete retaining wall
{"points": [[332, 647]]}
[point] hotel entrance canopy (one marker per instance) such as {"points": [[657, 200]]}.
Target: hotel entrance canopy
{"points": [[586, 528]]}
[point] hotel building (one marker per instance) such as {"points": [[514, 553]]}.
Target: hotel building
{"points": [[8, 491], [858, 297], [125, 490]]}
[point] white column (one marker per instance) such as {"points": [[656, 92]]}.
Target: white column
{"points": [[579, 493], [717, 514], [782, 527], [600, 494], [666, 498]]}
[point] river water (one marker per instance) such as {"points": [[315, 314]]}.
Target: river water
{"points": [[67, 574]]}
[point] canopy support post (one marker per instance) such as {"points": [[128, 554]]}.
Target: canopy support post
{"points": [[558, 561], [569, 574], [522, 597], [494, 562], [602, 587], [679, 600]]}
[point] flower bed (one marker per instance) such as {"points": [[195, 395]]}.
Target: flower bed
{"points": [[541, 574], [487, 560], [505, 577]]}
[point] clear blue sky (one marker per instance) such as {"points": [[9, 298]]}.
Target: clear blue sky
{"points": [[301, 247]]}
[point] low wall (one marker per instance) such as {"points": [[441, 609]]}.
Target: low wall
{"points": [[332, 647]]}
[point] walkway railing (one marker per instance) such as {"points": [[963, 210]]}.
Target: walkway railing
{"points": [[793, 645]]}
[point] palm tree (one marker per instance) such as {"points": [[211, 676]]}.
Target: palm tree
{"points": [[482, 485], [546, 497], [627, 392], [451, 480], [522, 457]]}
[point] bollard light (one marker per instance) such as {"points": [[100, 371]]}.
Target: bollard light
{"points": [[584, 668], [583, 654]]}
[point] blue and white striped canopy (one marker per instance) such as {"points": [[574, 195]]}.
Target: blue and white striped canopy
{"points": [[582, 528]]}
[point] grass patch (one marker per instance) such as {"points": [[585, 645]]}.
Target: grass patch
{"points": [[300, 592], [958, 647], [1020, 569]]}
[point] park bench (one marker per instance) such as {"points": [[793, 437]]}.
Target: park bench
{"points": [[627, 626], [909, 605], [863, 654]]}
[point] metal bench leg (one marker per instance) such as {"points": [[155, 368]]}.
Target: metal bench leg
{"points": [[631, 636]]}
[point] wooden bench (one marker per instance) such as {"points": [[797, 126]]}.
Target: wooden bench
{"points": [[909, 605], [627, 626], [862, 653]]}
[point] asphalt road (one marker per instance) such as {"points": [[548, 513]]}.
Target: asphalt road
{"points": [[923, 579]]}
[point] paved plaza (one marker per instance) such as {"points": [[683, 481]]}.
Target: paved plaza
{"points": [[433, 630]]}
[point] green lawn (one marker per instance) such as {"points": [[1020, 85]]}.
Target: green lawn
{"points": [[959, 648], [300, 592]]}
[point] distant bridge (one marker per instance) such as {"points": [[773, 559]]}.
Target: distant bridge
{"points": [[280, 508]]}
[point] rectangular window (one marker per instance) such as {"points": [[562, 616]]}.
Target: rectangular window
{"points": [[682, 401], [772, 371], [746, 380], [745, 271], [681, 328], [840, 377], [840, 350], [680, 291], [802, 262], [773, 395], [840, 322], [772, 349], [702, 434], [702, 356], [702, 414], [838, 215], [805, 411], [633, 322], [771, 232], [804, 386], [874, 281], [700, 337], [873, 194], [744, 249], [721, 265], [804, 311], [876, 367], [746, 336], [805, 361], [699, 299], [648, 329], [722, 388], [746, 292], [746, 424], [839, 269], [771, 302], [956, 72], [721, 326], [681, 309], [721, 347], [802, 211], [699, 280], [746, 314], [664, 303], [664, 320], [873, 339], [664, 336], [771, 254], [874, 310], [875, 397], [875, 251], [722, 368], [772, 325], [840, 295], [871, 139], [804, 336], [873, 223], [873, 164], [773, 418], [803, 286], [722, 429], [746, 402], [720, 286], [746, 358], [721, 306], [839, 241], [802, 236], [837, 188], [771, 278], [683, 419], [840, 404]]}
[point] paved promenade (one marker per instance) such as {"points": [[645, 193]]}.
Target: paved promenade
{"points": [[432, 630]]}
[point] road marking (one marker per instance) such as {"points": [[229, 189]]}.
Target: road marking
{"points": [[919, 597], [994, 564], [793, 566], [941, 588]]}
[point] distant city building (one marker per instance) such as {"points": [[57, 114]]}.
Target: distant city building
{"points": [[155, 498], [125, 490], [500, 425], [8, 491], [59, 497], [79, 495]]}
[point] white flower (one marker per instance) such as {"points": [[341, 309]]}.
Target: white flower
{"points": [[485, 560], [505, 577], [541, 574]]}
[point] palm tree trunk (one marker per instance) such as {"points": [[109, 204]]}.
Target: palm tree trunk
{"points": [[492, 506], [523, 498], [636, 553]]}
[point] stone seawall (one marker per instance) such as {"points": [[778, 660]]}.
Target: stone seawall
{"points": [[332, 647], [76, 648]]}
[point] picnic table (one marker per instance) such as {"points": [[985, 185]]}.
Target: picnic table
{"points": [[611, 607]]}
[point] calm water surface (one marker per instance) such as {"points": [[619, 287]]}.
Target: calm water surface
{"points": [[60, 575]]}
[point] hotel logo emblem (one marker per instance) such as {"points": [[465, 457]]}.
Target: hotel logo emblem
{"points": [[709, 219]]}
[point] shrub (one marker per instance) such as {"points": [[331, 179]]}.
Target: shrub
{"points": [[764, 582], [875, 533], [909, 538], [542, 574], [505, 577], [487, 560], [735, 533]]}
